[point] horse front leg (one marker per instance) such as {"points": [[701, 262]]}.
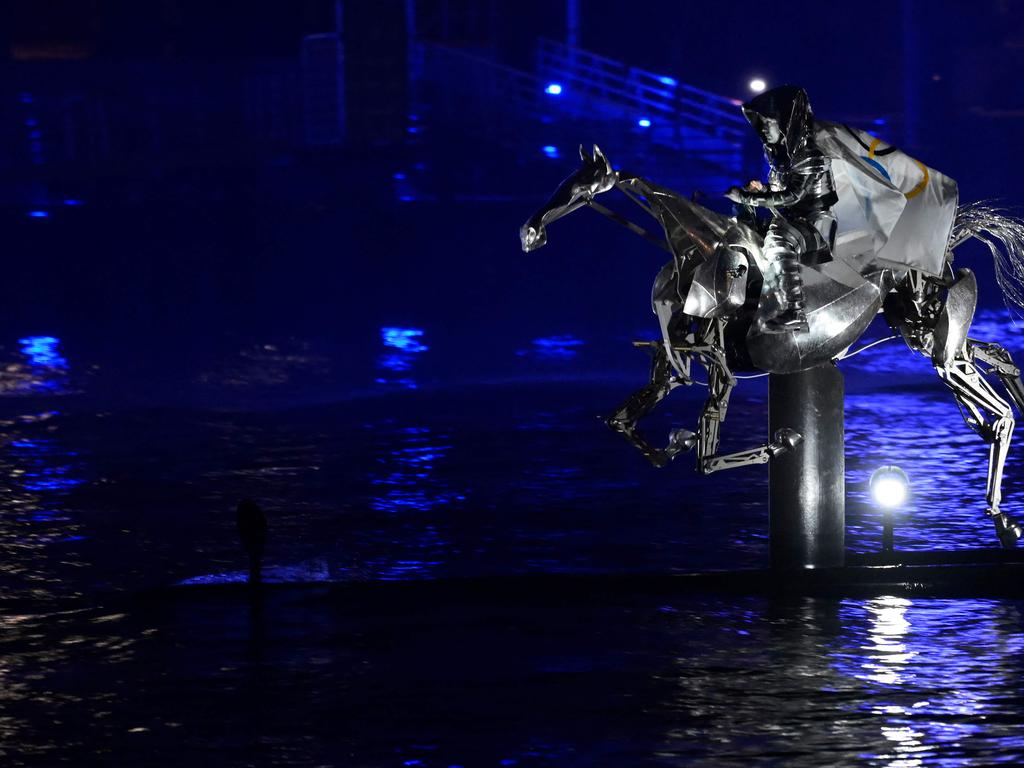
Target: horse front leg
{"points": [[721, 382], [991, 417], [640, 403], [720, 385]]}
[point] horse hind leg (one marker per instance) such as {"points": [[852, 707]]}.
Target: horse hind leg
{"points": [[999, 362], [642, 402], [990, 416]]}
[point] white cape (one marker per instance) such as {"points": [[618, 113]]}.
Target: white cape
{"points": [[906, 207]]}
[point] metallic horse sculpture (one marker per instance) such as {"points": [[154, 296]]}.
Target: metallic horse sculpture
{"points": [[713, 297]]}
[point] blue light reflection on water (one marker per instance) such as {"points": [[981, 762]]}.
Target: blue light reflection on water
{"points": [[39, 368], [718, 681], [562, 346], [407, 485], [45, 465], [405, 339], [933, 671], [401, 348], [43, 351], [407, 482]]}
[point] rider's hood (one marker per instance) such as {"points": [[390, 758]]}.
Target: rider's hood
{"points": [[782, 118]]}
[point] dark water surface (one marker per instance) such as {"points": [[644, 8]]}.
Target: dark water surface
{"points": [[411, 478]]}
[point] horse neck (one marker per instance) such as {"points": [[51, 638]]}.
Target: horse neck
{"points": [[685, 221]]}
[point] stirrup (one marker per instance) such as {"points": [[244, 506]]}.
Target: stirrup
{"points": [[787, 321]]}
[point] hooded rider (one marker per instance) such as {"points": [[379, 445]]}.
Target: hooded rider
{"points": [[800, 193]]}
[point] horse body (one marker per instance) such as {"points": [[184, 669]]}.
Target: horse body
{"points": [[713, 297], [723, 274]]}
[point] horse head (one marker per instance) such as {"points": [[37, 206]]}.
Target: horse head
{"points": [[594, 177]]}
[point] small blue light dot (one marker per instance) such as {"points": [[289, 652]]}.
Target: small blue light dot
{"points": [[667, 80], [550, 151], [643, 122], [553, 89], [38, 214]]}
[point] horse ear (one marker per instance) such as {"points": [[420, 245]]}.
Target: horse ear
{"points": [[583, 155], [600, 158]]}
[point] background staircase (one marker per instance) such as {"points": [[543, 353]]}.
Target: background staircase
{"points": [[652, 124]]}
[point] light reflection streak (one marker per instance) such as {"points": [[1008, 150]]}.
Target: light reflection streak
{"points": [[887, 654], [40, 473], [40, 368], [43, 351], [408, 484], [559, 347], [401, 347], [933, 668]]}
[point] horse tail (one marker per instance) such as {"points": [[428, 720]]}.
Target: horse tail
{"points": [[1004, 236]]}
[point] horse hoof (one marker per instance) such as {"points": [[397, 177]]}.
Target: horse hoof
{"points": [[681, 440], [1007, 529], [615, 425], [785, 439], [658, 459]]}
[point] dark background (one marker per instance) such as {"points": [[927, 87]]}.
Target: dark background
{"points": [[182, 182], [270, 250]]}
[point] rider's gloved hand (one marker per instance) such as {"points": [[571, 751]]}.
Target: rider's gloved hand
{"points": [[735, 194]]}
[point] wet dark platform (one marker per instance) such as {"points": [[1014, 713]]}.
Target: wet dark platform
{"points": [[960, 573]]}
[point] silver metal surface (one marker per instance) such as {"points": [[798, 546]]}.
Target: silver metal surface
{"points": [[807, 487], [954, 319]]}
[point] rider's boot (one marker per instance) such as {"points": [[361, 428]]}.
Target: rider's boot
{"points": [[791, 316]]}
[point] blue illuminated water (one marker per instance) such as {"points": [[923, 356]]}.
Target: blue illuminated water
{"points": [[424, 469]]}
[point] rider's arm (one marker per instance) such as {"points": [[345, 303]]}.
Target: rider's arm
{"points": [[804, 179]]}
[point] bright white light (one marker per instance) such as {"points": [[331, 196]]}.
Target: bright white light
{"points": [[889, 492], [643, 122], [889, 486], [757, 85], [553, 89]]}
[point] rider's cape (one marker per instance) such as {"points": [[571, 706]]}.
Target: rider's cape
{"points": [[906, 207]]}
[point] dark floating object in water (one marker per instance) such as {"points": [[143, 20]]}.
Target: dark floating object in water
{"points": [[252, 530]]}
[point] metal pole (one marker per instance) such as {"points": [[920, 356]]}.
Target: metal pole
{"points": [[888, 536], [808, 488]]}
